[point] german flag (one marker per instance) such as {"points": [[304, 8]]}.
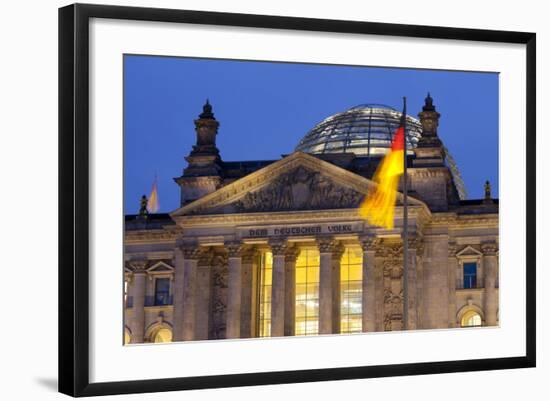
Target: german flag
{"points": [[379, 205]]}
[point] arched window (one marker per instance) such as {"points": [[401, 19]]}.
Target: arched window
{"points": [[163, 335], [127, 337], [470, 319], [351, 270]]}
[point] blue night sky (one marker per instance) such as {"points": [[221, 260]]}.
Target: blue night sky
{"points": [[265, 108]]}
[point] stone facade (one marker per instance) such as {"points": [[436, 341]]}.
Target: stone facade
{"points": [[212, 250]]}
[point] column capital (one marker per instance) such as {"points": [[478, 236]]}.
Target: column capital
{"points": [[414, 241], [278, 246], [234, 248], [369, 242], [139, 266], [328, 245], [205, 257], [190, 251], [489, 248], [291, 254]]}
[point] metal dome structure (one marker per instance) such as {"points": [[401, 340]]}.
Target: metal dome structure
{"points": [[365, 130]]}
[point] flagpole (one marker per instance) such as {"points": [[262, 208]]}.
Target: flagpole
{"points": [[405, 235]]}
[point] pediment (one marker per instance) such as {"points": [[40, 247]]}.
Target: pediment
{"points": [[298, 182], [160, 267], [469, 251]]}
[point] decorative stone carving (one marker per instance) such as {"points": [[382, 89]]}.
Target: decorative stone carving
{"points": [[190, 251], [489, 248], [206, 257], [291, 254], [234, 249], [369, 242], [278, 246], [328, 245], [138, 266], [452, 249], [299, 189]]}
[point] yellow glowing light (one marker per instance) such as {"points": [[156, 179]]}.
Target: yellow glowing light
{"points": [[164, 335]]}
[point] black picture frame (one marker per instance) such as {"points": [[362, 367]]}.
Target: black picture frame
{"points": [[74, 198]]}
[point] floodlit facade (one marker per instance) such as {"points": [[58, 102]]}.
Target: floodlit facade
{"points": [[277, 247]]}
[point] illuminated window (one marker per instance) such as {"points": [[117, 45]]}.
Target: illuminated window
{"points": [[126, 337], [163, 335], [471, 319], [266, 269], [351, 269], [162, 291], [470, 275], [307, 292]]}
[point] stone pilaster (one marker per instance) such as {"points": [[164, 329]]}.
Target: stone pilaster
{"points": [[235, 289], [490, 266], [453, 277], [191, 258], [248, 301], [278, 248], [369, 244], [203, 296], [177, 334], [436, 282], [415, 247], [329, 285], [290, 290], [138, 295]]}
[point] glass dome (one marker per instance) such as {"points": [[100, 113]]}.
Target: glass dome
{"points": [[366, 129]]}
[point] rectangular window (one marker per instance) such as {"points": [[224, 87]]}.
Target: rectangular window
{"points": [[307, 292], [470, 275], [264, 317], [162, 291], [351, 291]]}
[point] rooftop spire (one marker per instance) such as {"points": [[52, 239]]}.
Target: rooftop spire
{"points": [[207, 111], [428, 103]]}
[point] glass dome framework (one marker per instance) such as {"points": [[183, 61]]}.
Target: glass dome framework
{"points": [[365, 130]]}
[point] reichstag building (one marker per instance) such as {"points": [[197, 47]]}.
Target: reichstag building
{"points": [[277, 247]]}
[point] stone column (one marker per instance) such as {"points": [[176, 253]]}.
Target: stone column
{"points": [[369, 244], [290, 290], [415, 244], [177, 293], [203, 295], [235, 289], [248, 300], [278, 248], [138, 295], [191, 258], [329, 286], [453, 277], [490, 266]]}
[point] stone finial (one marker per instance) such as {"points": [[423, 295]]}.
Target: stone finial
{"points": [[428, 104], [487, 188], [207, 112], [143, 207]]}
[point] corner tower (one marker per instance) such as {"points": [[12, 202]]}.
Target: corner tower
{"points": [[430, 176], [202, 174]]}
